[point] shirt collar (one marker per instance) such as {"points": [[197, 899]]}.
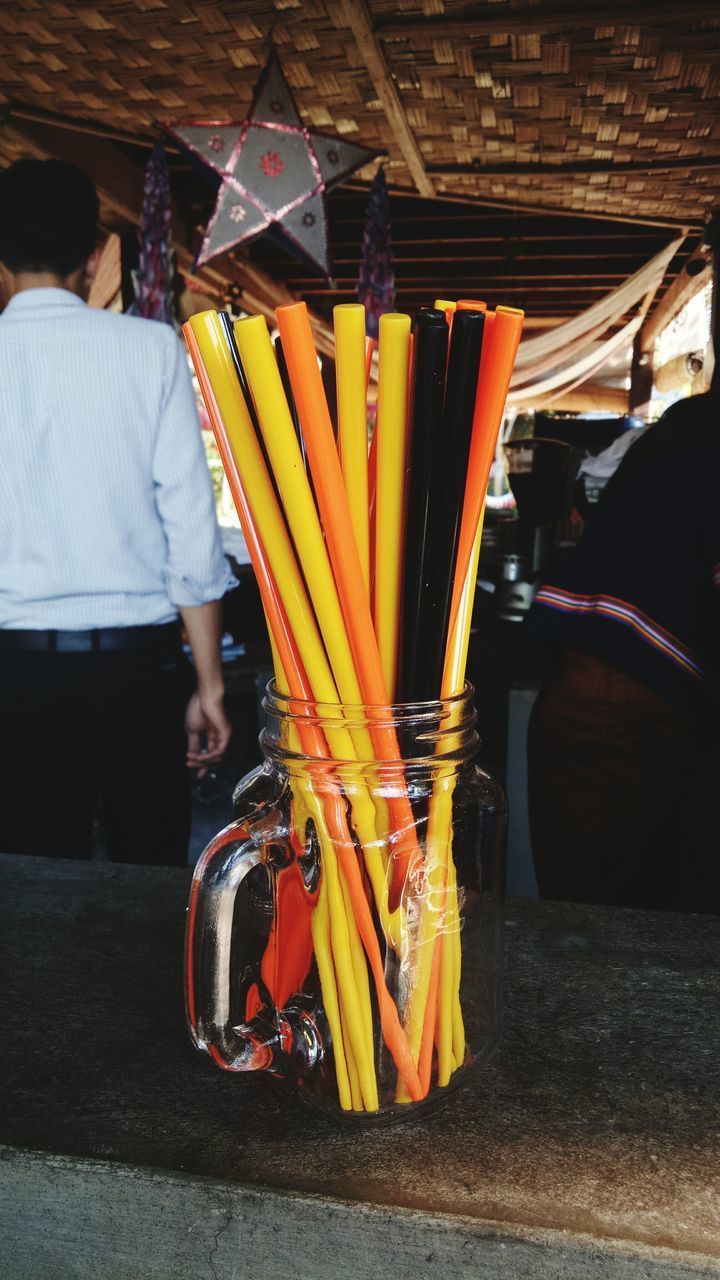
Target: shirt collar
{"points": [[30, 298]]}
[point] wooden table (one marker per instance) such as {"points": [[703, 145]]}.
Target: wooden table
{"points": [[587, 1149]]}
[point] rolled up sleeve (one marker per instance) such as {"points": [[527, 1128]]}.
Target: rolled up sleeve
{"points": [[196, 569]]}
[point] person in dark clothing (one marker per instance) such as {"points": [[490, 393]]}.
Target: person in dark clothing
{"points": [[621, 750]]}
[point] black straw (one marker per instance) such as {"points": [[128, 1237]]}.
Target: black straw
{"points": [[287, 387], [430, 347], [448, 474]]}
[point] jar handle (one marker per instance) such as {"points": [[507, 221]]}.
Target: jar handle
{"points": [[218, 876], [283, 1030]]}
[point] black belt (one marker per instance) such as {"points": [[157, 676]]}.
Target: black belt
{"points": [[99, 640]]}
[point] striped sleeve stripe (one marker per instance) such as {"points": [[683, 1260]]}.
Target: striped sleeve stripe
{"points": [[620, 611]]}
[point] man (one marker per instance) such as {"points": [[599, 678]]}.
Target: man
{"points": [[622, 750], [107, 533]]}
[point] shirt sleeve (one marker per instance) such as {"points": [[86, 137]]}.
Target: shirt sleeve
{"points": [[196, 570]]}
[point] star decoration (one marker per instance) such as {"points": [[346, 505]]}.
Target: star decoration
{"points": [[273, 171]]}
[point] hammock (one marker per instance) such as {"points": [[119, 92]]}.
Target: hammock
{"points": [[579, 370], [534, 353]]}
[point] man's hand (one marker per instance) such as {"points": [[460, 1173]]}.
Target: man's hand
{"points": [[205, 716]]}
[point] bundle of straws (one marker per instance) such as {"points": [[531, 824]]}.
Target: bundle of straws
{"points": [[366, 562]]}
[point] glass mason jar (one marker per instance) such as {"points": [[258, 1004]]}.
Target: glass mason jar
{"points": [[344, 932]]}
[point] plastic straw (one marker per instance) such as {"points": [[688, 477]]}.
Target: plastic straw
{"points": [[257, 355], [448, 475], [337, 581], [351, 381], [258, 359], [372, 490], [431, 349], [281, 638], [391, 428], [285, 377], [228, 398], [260, 495], [432, 946], [332, 501], [369, 349], [458, 644], [226, 326], [496, 368]]}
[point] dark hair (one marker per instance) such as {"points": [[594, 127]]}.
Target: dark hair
{"points": [[48, 216]]}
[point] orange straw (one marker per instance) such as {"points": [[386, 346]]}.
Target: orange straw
{"points": [[428, 1035], [322, 453], [369, 348], [502, 336]]}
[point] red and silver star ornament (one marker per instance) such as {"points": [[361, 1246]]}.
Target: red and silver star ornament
{"points": [[273, 171]]}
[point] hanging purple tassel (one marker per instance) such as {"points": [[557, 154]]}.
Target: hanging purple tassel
{"points": [[376, 282], [153, 284]]}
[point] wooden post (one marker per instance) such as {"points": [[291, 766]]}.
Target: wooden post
{"points": [[641, 380]]}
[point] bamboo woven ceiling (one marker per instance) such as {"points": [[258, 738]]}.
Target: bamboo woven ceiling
{"points": [[607, 108]]}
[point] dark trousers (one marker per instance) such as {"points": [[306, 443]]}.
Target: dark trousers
{"points": [[622, 794], [95, 734]]}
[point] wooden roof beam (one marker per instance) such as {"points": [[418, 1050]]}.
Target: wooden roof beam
{"points": [[569, 16], [358, 19], [521, 206], [546, 169]]}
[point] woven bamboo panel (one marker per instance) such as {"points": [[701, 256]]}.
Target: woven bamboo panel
{"points": [[606, 91]]}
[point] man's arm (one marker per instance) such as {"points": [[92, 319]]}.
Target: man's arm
{"points": [[197, 573], [205, 713]]}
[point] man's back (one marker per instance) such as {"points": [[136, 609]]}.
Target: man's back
{"points": [[105, 501], [107, 534]]}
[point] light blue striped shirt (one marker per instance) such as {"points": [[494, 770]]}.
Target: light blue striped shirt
{"points": [[107, 516]]}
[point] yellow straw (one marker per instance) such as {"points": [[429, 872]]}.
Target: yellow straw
{"points": [[349, 323], [457, 650], [362, 987], [355, 1090], [263, 375], [340, 937], [393, 356], [439, 918], [432, 915], [320, 927], [212, 344], [451, 1030]]}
